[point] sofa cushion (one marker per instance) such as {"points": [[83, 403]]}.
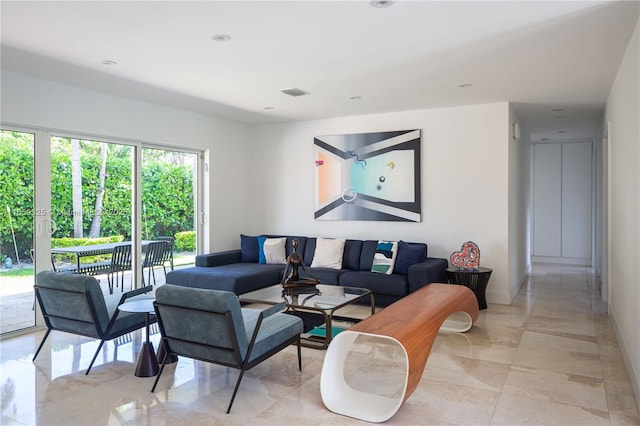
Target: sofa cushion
{"points": [[329, 253], [351, 258], [395, 285], [409, 254], [325, 275], [366, 257], [271, 250], [237, 277], [249, 250], [384, 258]]}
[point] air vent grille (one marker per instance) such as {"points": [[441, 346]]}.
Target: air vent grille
{"points": [[295, 92]]}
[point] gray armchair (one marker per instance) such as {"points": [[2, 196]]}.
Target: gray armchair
{"points": [[210, 325], [74, 303]]}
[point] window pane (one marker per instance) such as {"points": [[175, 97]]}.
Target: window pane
{"points": [[16, 235]]}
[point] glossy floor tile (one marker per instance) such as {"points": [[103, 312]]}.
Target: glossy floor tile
{"points": [[550, 358]]}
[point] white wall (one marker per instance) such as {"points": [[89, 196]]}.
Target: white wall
{"points": [[623, 117], [519, 206], [465, 183], [36, 103]]}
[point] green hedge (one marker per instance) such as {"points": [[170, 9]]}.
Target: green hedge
{"points": [[185, 241], [72, 242]]}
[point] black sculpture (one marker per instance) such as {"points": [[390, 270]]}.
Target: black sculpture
{"points": [[291, 277]]}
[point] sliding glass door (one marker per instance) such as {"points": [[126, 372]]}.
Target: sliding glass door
{"points": [[169, 194], [91, 205], [17, 216], [63, 193]]}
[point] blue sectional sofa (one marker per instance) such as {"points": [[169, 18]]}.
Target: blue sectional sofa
{"points": [[240, 271]]}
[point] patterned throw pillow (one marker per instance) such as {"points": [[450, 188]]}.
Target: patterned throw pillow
{"points": [[385, 257]]}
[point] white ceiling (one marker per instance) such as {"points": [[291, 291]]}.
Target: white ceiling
{"points": [[541, 55]]}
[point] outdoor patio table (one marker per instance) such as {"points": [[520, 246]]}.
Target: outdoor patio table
{"points": [[94, 268]]}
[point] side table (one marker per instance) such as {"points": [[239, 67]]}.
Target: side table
{"points": [[147, 362], [475, 279]]}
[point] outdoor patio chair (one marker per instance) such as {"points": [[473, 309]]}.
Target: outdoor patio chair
{"points": [[120, 262], [209, 325], [153, 257], [168, 255], [74, 303]]}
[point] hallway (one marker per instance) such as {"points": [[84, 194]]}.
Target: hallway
{"points": [[551, 358]]}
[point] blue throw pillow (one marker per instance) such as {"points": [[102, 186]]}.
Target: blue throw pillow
{"points": [[409, 254], [249, 249], [261, 258]]}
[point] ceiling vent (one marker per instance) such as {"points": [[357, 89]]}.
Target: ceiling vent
{"points": [[295, 92]]}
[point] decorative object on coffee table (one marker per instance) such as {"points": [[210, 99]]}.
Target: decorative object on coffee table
{"points": [[467, 258], [291, 281]]}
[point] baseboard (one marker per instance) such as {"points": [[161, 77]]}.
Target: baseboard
{"points": [[634, 376], [561, 260], [498, 297]]}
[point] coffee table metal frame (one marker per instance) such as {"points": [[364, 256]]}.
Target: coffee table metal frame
{"points": [[329, 299]]}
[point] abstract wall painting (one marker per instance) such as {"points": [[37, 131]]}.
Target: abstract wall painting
{"points": [[368, 176]]}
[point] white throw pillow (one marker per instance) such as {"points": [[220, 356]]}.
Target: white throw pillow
{"points": [[328, 254], [274, 251]]}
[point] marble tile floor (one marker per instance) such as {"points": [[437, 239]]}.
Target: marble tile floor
{"points": [[550, 358]]}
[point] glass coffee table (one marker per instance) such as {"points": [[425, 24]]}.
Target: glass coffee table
{"points": [[325, 302]]}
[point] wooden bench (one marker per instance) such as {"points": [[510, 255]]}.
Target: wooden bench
{"points": [[408, 327]]}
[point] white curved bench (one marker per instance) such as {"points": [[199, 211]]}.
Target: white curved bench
{"points": [[401, 335]]}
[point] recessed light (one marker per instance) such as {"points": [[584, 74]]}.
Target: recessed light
{"points": [[221, 37], [268, 108], [355, 98], [560, 116], [463, 85], [557, 109], [562, 131], [381, 3], [108, 62]]}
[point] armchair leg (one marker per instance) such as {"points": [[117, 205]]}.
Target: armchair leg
{"points": [[164, 362], [235, 390], [299, 355], [41, 344], [95, 356]]}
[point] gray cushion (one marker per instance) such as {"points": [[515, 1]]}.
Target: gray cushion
{"points": [[73, 304]]}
